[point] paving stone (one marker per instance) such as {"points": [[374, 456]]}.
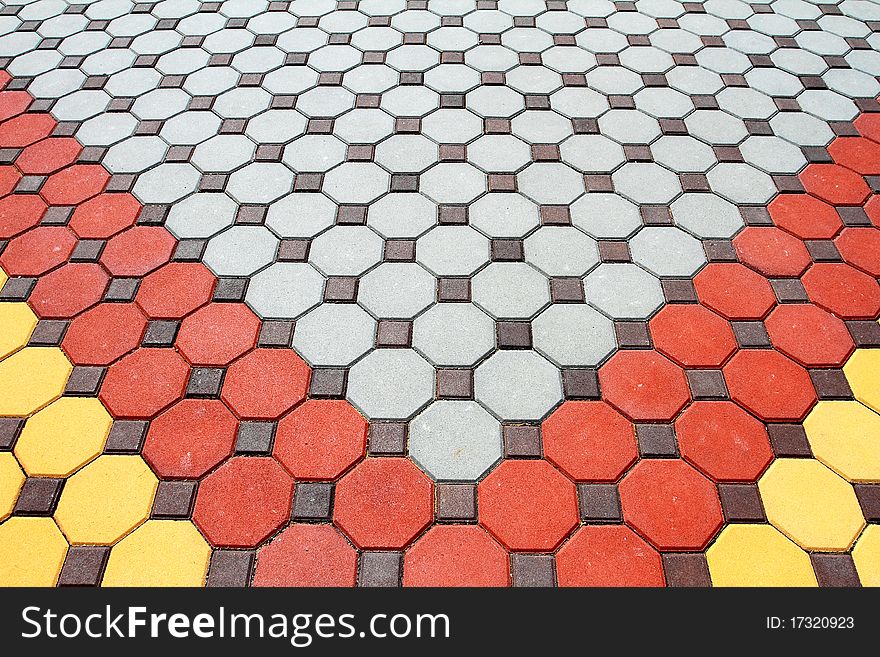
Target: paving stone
{"points": [[518, 385]]}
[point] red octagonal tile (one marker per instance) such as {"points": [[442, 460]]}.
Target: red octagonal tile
{"points": [[48, 156], [860, 247], [692, 335], [266, 383], [384, 503], [67, 291], [770, 385], [75, 184], [856, 153], [723, 441], [610, 555], [218, 333], [20, 212], [321, 439], [307, 555], [104, 216], [835, 184], [37, 251], [190, 438], [528, 505], [144, 382], [175, 290], [670, 504], [138, 251], [843, 290], [645, 385], [25, 129], [810, 335], [456, 555], [106, 332], [772, 251], [734, 291], [805, 216], [243, 502], [590, 441]]}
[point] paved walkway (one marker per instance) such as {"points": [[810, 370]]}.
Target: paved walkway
{"points": [[439, 292]]}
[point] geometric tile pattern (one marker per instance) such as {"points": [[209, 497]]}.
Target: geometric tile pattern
{"points": [[439, 292]]}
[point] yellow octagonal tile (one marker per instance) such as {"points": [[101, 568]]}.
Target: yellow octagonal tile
{"points": [[64, 436], [159, 553], [106, 499], [845, 436], [31, 378], [17, 322], [33, 552], [3, 278], [866, 555], [811, 505], [758, 555], [862, 370], [11, 481]]}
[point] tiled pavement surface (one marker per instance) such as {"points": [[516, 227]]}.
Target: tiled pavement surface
{"points": [[440, 292]]}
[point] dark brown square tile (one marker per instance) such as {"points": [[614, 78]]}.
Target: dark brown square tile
{"points": [[313, 501], [454, 289], [580, 383], [455, 384], [507, 250], [230, 568], [513, 335], [686, 569], [741, 503], [328, 383], [869, 499], [679, 291], [612, 251], [174, 499], [522, 440], [38, 496], [275, 334], [255, 438], [533, 570], [566, 290], [394, 333], [387, 438], [340, 289], [789, 440], [400, 251], [656, 440], [750, 334], [452, 215], [205, 382], [380, 569], [456, 502], [632, 335], [84, 565], [707, 384], [293, 251], [831, 384], [555, 215], [84, 381], [126, 437], [599, 503], [835, 570]]}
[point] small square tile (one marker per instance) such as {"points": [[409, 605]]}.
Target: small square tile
{"points": [[360, 153], [190, 250], [230, 568], [404, 182], [694, 182], [455, 384], [679, 291], [84, 565], [789, 290], [513, 335], [387, 438], [453, 152], [452, 215], [313, 501], [580, 383], [831, 384], [255, 438], [835, 570], [328, 383], [656, 215], [126, 437], [38, 496], [599, 183], [340, 289], [380, 569], [864, 333], [496, 126], [823, 251], [160, 333], [750, 334], [789, 440], [17, 289], [84, 381], [269, 152], [585, 126], [407, 125], [454, 289], [122, 289], [632, 335], [293, 251], [507, 250], [400, 251], [394, 333], [599, 503], [230, 289], [566, 290], [502, 182], [205, 382], [686, 569], [251, 215], [613, 251], [174, 499], [637, 153], [853, 216], [656, 440], [351, 215], [456, 502], [741, 503], [48, 333], [707, 384], [522, 441], [275, 333], [533, 570], [869, 499], [555, 215]]}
